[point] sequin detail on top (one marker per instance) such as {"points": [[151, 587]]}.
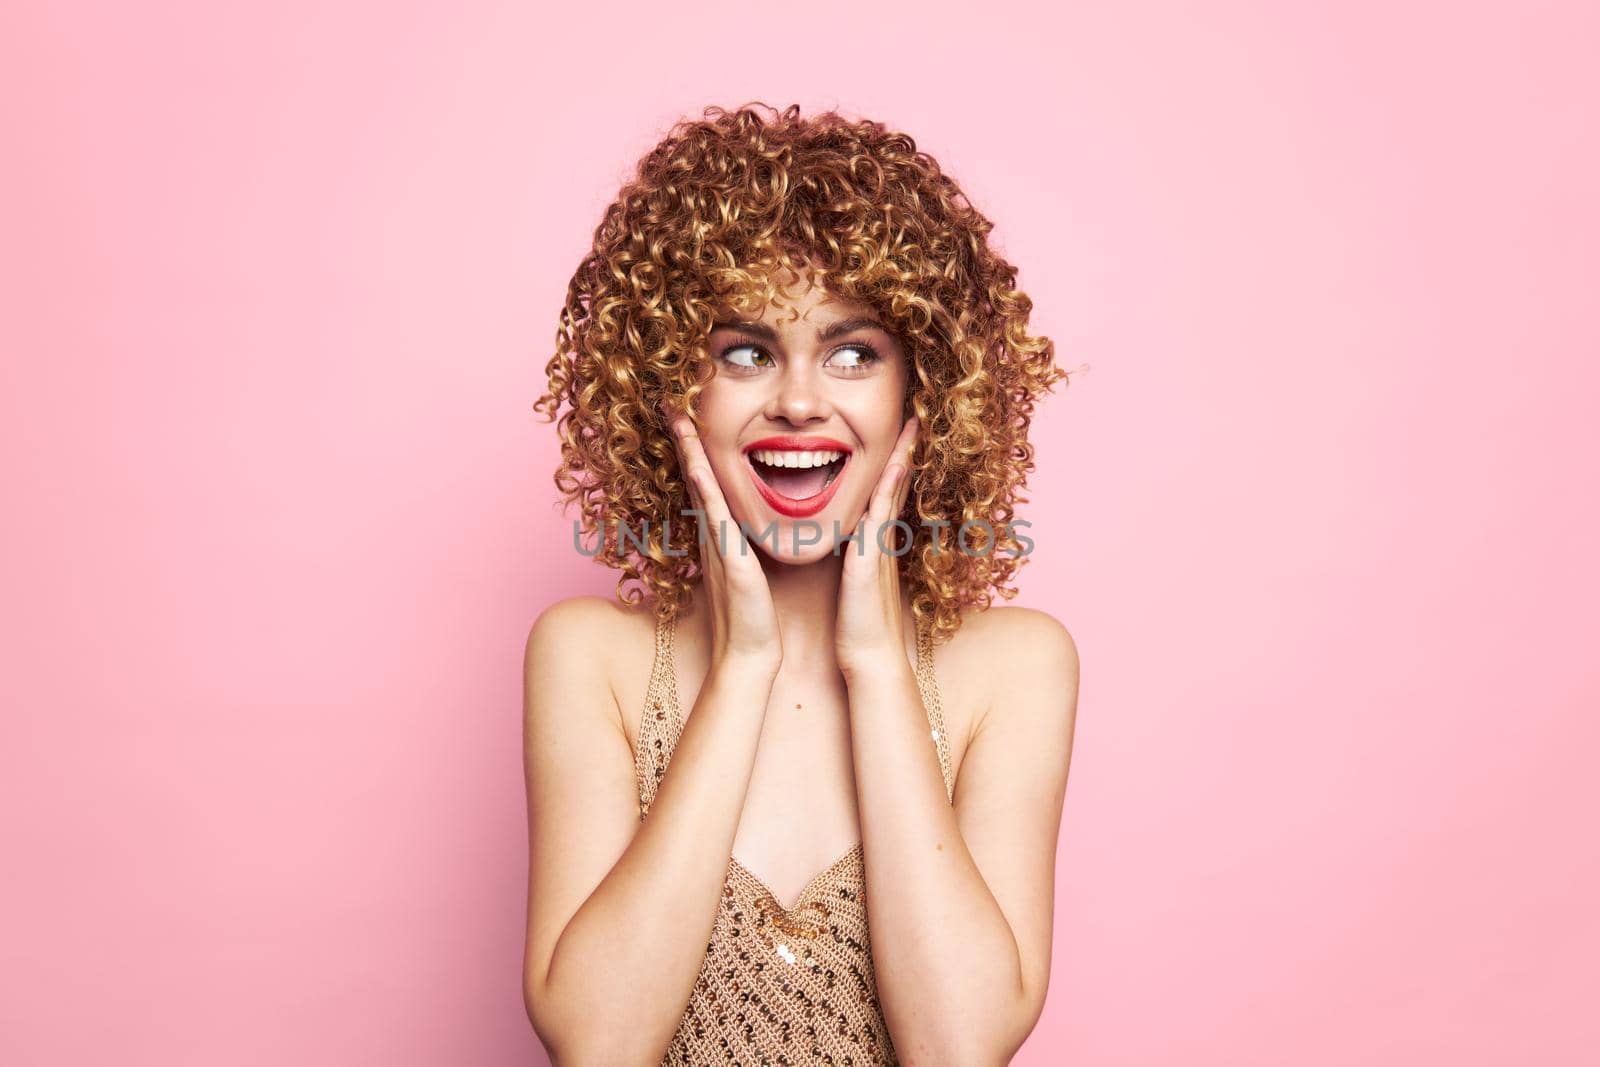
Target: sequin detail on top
{"points": [[780, 986]]}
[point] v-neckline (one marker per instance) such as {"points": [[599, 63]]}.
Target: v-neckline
{"points": [[674, 724], [759, 884]]}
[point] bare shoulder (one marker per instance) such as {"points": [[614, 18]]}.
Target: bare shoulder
{"points": [[1006, 623], [587, 642], [1031, 635], [1026, 638], [1019, 654], [576, 623]]}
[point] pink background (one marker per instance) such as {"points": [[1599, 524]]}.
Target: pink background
{"points": [[279, 283]]}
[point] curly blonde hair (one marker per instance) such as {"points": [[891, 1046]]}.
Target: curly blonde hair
{"points": [[714, 211]]}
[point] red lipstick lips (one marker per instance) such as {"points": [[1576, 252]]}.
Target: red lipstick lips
{"points": [[789, 506]]}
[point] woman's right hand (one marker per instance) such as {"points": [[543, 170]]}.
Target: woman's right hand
{"points": [[744, 622]]}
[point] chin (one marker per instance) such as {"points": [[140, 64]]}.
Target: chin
{"points": [[808, 555]]}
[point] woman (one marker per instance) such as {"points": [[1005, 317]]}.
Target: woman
{"points": [[768, 822]]}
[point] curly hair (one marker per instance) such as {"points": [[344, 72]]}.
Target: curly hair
{"points": [[712, 213]]}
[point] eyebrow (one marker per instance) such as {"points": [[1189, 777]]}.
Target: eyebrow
{"points": [[827, 333]]}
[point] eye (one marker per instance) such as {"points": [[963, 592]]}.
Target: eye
{"points": [[854, 358], [747, 357]]}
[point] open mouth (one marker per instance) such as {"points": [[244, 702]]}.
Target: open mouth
{"points": [[797, 475]]}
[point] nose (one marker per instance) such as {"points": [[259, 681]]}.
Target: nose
{"points": [[799, 395]]}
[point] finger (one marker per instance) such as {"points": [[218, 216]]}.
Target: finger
{"points": [[888, 500], [697, 470], [887, 495], [697, 506], [695, 502], [905, 445], [878, 515]]}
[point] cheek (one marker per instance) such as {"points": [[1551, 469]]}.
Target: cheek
{"points": [[892, 399], [876, 414], [727, 404], [718, 421]]}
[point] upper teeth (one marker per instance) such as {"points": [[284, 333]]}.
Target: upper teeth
{"points": [[774, 458]]}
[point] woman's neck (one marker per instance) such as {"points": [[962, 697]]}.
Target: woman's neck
{"points": [[807, 601]]}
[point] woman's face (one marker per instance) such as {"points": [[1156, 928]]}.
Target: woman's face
{"points": [[800, 419]]}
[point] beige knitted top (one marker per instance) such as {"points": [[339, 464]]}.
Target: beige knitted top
{"points": [[779, 987]]}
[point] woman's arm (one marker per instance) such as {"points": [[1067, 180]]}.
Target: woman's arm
{"points": [[619, 911], [960, 898]]}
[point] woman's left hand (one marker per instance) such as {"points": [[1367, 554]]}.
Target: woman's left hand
{"points": [[867, 634]]}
